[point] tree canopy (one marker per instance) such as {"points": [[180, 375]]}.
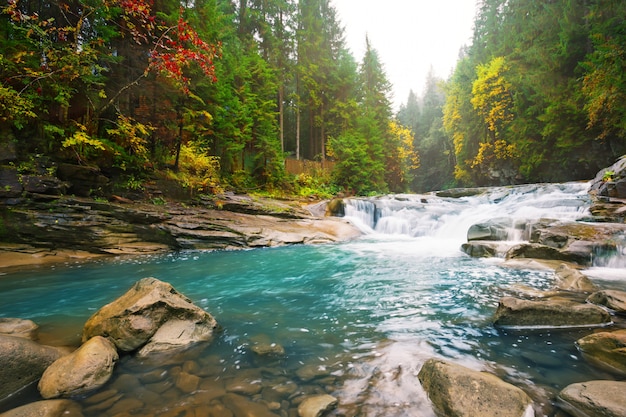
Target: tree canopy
{"points": [[229, 89]]}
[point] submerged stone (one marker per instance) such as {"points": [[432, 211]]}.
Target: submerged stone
{"points": [[47, 408], [317, 405]]}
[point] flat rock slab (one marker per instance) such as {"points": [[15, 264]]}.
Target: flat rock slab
{"points": [[606, 349], [553, 313], [457, 391], [594, 398]]}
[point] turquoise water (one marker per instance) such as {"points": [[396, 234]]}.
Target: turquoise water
{"points": [[364, 315]]}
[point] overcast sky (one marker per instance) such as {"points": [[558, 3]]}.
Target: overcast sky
{"points": [[410, 36]]}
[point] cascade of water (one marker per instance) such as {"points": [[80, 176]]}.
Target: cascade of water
{"points": [[450, 218]]}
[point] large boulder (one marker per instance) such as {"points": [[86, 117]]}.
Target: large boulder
{"points": [[132, 320], [571, 241], [47, 408], [19, 328], [457, 391], [22, 362], [87, 368], [515, 312], [497, 229], [606, 349], [571, 279], [613, 299], [594, 398]]}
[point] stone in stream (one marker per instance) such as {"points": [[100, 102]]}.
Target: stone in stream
{"points": [[606, 349], [153, 316], [87, 368], [19, 328], [594, 398], [456, 391], [317, 405], [613, 299], [23, 362], [47, 408], [515, 312], [571, 279]]}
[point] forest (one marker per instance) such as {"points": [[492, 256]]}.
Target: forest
{"points": [[216, 94]]}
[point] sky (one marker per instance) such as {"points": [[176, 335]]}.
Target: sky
{"points": [[410, 37]]}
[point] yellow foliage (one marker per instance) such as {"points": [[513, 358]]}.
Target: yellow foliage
{"points": [[80, 139], [496, 152], [491, 94], [406, 152], [131, 135], [198, 171]]}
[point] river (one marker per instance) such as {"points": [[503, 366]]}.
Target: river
{"points": [[356, 319]]}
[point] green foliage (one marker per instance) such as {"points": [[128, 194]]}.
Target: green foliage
{"points": [[545, 82], [317, 185]]}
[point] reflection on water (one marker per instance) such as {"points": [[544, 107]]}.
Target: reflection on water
{"points": [[356, 320]]}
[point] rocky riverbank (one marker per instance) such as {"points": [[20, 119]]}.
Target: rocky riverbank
{"points": [[45, 228]]}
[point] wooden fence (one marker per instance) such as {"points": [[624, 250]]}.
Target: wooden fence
{"points": [[300, 166]]}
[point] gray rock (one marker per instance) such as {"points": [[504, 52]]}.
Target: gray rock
{"points": [[19, 328], [594, 398], [47, 408], [43, 184], [132, 320], [317, 405], [613, 299], [496, 229], [570, 279], [7, 150], [484, 249], [605, 349], [456, 391], [10, 184], [514, 312], [23, 362], [87, 368]]}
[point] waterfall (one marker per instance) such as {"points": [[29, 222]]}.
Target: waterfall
{"points": [[417, 215]]}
